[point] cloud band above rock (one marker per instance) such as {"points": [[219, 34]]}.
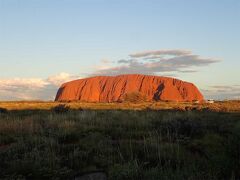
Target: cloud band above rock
{"points": [[174, 52], [160, 61]]}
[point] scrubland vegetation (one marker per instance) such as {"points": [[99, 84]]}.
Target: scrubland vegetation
{"points": [[129, 104], [40, 140]]}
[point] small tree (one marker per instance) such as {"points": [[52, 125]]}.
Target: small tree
{"points": [[134, 97]]}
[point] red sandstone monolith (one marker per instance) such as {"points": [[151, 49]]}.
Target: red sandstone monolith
{"points": [[114, 88]]}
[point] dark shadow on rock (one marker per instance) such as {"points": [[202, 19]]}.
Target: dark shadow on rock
{"points": [[60, 90], [159, 91]]}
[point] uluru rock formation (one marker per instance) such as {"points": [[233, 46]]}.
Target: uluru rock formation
{"points": [[114, 88]]}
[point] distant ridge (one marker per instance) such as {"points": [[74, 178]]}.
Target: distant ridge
{"points": [[114, 88]]}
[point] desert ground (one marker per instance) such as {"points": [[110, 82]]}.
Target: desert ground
{"points": [[158, 140]]}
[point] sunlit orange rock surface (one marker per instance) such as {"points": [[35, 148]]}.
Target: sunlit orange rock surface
{"points": [[113, 89]]}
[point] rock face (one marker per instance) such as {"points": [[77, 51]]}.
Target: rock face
{"points": [[114, 88]]}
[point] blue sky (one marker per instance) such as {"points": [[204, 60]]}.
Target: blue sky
{"points": [[44, 43]]}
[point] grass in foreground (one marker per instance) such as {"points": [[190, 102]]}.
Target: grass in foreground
{"points": [[126, 144]]}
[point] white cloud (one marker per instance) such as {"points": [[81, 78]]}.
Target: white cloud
{"points": [[33, 88], [58, 79], [31, 83], [104, 64], [105, 61], [222, 92]]}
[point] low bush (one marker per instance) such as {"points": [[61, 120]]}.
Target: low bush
{"points": [[3, 110], [61, 108]]}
